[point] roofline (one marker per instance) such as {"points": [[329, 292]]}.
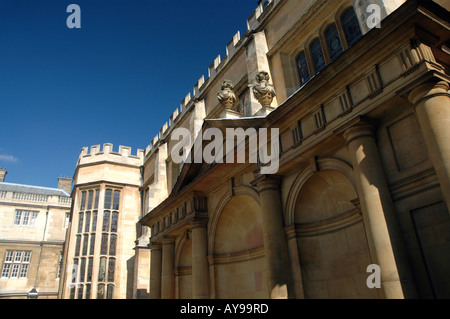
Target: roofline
{"points": [[38, 187]]}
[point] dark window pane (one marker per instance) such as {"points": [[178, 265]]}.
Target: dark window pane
{"points": [[104, 244], [111, 269], [96, 199], [106, 221], [92, 245], [72, 292], [315, 48], [110, 292], [351, 26], [101, 292], [78, 246], [302, 66], [108, 194], [333, 41], [85, 244], [90, 199], [80, 292], [94, 222], [88, 292], [116, 200], [74, 270], [82, 269], [87, 222], [83, 200], [112, 245], [80, 222], [114, 221], [102, 269], [89, 270]]}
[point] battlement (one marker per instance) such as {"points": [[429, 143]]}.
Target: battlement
{"points": [[214, 70], [124, 155]]}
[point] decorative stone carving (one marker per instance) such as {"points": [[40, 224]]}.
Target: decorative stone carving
{"points": [[226, 96], [263, 91]]}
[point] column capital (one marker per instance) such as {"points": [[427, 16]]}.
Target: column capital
{"points": [[360, 127], [155, 246], [168, 240], [199, 223], [428, 90], [265, 182]]}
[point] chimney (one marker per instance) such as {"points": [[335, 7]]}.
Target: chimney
{"points": [[65, 183], [3, 173]]}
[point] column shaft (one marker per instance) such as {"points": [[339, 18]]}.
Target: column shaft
{"points": [[155, 271], [200, 277], [275, 246], [168, 271], [376, 205], [432, 104]]}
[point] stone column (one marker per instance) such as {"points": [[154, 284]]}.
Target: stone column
{"points": [[168, 271], [432, 105], [155, 271], [295, 261], [200, 277], [376, 205], [275, 246], [141, 274]]}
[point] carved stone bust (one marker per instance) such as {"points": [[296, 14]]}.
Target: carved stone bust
{"points": [[263, 91], [226, 96]]}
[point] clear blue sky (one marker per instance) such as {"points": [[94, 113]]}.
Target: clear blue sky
{"points": [[116, 80]]}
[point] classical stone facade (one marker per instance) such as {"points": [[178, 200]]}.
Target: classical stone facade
{"points": [[33, 224], [363, 177]]}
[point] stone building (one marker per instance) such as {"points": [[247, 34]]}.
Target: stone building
{"points": [[33, 223], [363, 177]]}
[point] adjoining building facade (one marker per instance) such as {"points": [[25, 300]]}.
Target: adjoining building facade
{"points": [[33, 224], [362, 116]]}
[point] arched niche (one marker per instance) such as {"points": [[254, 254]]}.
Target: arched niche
{"points": [[238, 250], [331, 239], [184, 269]]}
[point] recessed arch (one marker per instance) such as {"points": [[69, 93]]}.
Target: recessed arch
{"points": [[237, 191], [239, 226], [322, 164], [237, 256]]}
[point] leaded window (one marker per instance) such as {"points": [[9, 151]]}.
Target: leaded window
{"points": [[108, 245], [351, 27], [16, 264], [85, 245], [25, 218], [18, 217], [302, 67], [333, 41], [315, 49]]}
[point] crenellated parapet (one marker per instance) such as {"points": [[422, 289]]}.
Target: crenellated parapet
{"points": [[218, 64], [105, 153]]}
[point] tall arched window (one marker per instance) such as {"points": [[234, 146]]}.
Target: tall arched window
{"points": [[351, 27], [333, 41], [302, 66], [315, 49]]}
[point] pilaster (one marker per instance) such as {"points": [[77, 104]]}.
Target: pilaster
{"points": [[432, 105]]}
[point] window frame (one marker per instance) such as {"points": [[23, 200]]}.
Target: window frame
{"points": [[16, 264]]}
